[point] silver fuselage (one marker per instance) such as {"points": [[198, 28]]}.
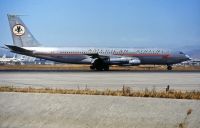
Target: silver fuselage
{"points": [[81, 55]]}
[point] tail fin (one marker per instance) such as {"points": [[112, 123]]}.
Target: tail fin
{"points": [[22, 37], [4, 56], [14, 56]]}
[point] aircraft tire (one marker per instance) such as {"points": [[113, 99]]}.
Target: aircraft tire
{"points": [[169, 67], [106, 68], [99, 65], [99, 68], [92, 67]]}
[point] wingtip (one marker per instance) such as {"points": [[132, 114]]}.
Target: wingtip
{"points": [[8, 46], [5, 46]]}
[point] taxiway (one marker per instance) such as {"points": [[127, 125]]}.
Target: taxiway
{"points": [[103, 80]]}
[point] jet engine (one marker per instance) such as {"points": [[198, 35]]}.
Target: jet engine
{"points": [[126, 61]]}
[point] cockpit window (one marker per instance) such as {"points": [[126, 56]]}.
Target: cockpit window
{"points": [[181, 52]]}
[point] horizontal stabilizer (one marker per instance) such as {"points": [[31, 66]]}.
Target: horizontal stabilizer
{"points": [[18, 49], [4, 47]]}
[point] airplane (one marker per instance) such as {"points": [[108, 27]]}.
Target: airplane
{"points": [[5, 60], [100, 59]]}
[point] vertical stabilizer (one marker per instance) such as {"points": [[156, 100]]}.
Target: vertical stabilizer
{"points": [[22, 37], [4, 56]]}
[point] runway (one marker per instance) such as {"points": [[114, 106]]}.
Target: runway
{"points": [[103, 80]]}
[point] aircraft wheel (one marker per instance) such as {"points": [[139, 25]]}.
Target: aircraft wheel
{"points": [[99, 68], [169, 67], [106, 68], [92, 67]]}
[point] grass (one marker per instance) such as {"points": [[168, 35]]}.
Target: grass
{"points": [[125, 91], [61, 67]]}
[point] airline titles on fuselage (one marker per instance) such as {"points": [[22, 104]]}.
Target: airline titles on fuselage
{"points": [[110, 51]]}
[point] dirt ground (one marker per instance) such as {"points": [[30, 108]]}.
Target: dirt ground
{"points": [[28, 110]]}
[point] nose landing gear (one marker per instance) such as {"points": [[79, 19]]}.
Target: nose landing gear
{"points": [[169, 67]]}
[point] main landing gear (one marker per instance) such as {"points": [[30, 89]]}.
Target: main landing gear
{"points": [[100, 68], [169, 67], [99, 65]]}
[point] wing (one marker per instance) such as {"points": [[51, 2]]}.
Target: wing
{"points": [[116, 59], [96, 55]]}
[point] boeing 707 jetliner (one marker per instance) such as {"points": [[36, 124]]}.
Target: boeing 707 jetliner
{"points": [[99, 58]]}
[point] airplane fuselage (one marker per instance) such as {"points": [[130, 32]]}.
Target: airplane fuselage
{"points": [[82, 55]]}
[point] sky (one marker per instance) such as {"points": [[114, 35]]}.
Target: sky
{"points": [[107, 23]]}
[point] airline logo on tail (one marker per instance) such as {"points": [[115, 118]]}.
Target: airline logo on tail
{"points": [[18, 30]]}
